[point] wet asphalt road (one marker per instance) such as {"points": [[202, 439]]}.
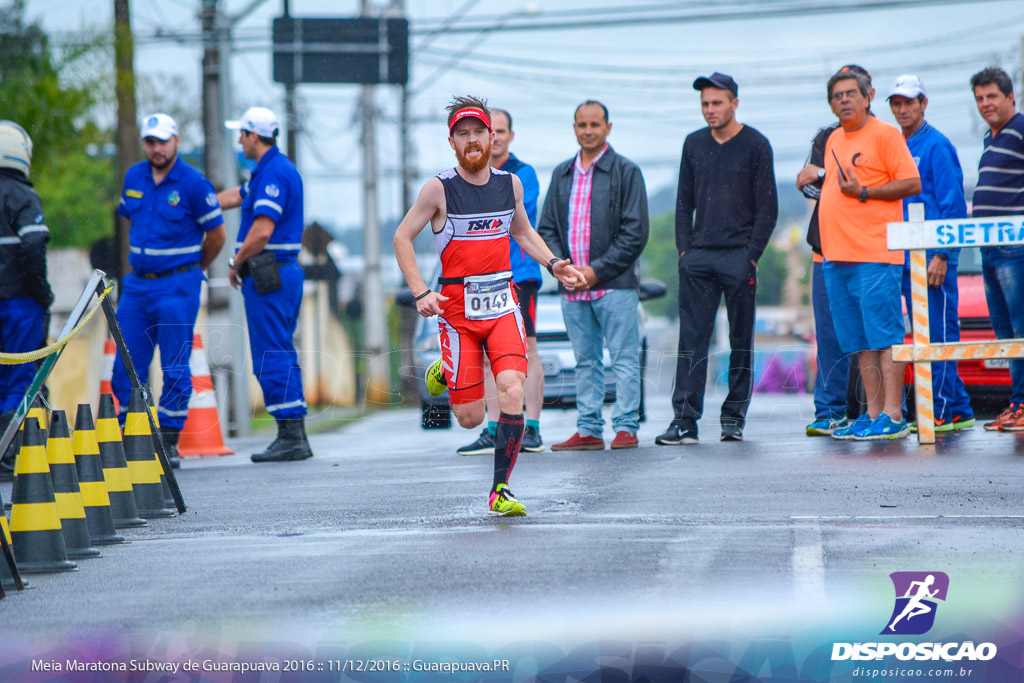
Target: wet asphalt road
{"points": [[384, 534]]}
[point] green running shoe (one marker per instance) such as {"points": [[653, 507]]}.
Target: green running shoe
{"points": [[436, 382], [504, 504]]}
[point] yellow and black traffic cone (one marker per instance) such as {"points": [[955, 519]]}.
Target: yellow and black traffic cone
{"points": [[39, 412], [115, 468], [35, 522], [143, 466], [95, 500], [168, 498], [61, 459], [6, 578]]}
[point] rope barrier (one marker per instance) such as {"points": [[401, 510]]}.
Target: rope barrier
{"points": [[18, 358]]}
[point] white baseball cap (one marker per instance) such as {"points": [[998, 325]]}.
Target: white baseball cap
{"points": [[259, 120], [160, 126], [909, 86]]}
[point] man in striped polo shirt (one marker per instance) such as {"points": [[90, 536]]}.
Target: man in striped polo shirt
{"points": [[1000, 192]]}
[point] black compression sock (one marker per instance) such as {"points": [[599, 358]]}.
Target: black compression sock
{"points": [[507, 439]]}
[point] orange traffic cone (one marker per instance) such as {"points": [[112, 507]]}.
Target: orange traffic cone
{"points": [[201, 435], [143, 466], [35, 522], [95, 499], [107, 373], [61, 459], [115, 468]]}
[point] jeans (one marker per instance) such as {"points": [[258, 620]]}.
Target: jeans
{"points": [[159, 312], [612, 321], [1003, 271], [948, 391], [21, 330], [832, 379]]}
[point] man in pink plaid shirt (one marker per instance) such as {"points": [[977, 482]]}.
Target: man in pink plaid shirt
{"points": [[595, 213]]}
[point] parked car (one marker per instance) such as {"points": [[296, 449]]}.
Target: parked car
{"points": [[556, 355], [986, 381]]}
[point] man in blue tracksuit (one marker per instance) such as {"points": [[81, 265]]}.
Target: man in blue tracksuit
{"points": [[942, 193], [176, 231], [527, 278], [25, 294], [266, 268]]}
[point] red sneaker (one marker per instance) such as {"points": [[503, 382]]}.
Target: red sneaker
{"points": [[577, 442], [625, 440], [1006, 416]]}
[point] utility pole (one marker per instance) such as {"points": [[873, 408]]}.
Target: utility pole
{"points": [[219, 159], [378, 371], [127, 116], [291, 118]]}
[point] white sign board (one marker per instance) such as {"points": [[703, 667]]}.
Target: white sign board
{"points": [[991, 231]]}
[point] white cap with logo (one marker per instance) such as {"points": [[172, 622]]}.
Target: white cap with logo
{"points": [[909, 86], [259, 120], [160, 126]]}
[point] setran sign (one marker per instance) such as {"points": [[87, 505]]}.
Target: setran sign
{"points": [[366, 51], [991, 231]]}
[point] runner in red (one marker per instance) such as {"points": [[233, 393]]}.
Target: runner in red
{"points": [[473, 209]]}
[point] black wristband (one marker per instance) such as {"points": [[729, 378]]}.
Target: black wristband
{"points": [[863, 194], [423, 295], [551, 265]]}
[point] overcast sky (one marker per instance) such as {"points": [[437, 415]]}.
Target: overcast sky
{"points": [[642, 70]]}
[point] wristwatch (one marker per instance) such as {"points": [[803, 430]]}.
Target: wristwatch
{"points": [[821, 174], [863, 194], [551, 265], [231, 262], [944, 257]]}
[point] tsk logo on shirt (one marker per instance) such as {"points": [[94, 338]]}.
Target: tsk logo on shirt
{"points": [[916, 595], [272, 190], [487, 224], [173, 198]]}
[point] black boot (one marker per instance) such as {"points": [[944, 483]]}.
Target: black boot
{"points": [[7, 459], [290, 444], [170, 437]]}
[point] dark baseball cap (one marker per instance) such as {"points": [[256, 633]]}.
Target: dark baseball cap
{"points": [[857, 69], [717, 80]]}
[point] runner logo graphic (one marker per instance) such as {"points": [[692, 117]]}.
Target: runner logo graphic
{"points": [[916, 593]]}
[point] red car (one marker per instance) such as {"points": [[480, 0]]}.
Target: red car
{"points": [[985, 380]]}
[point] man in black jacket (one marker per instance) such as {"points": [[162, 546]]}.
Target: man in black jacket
{"points": [[595, 213], [726, 210], [25, 294]]}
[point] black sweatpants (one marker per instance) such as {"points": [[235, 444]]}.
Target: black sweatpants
{"points": [[704, 276]]}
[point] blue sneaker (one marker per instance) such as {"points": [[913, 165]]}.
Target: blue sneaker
{"points": [[846, 433], [883, 429], [826, 426]]}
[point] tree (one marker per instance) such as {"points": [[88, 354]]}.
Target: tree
{"points": [[51, 96]]}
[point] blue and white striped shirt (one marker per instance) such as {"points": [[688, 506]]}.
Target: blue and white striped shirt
{"points": [[1000, 189]]}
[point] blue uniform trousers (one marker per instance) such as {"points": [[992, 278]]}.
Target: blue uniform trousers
{"points": [[1003, 271], [950, 396], [832, 380], [159, 312], [21, 330], [272, 319]]}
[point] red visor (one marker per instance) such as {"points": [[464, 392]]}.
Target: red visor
{"points": [[469, 112]]}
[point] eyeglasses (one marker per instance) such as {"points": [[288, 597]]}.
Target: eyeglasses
{"points": [[849, 95]]}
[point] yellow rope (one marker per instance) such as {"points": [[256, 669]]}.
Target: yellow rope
{"points": [[18, 358]]}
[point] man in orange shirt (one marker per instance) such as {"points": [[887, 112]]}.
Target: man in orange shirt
{"points": [[868, 172]]}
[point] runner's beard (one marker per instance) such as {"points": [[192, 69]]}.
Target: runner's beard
{"points": [[474, 166]]}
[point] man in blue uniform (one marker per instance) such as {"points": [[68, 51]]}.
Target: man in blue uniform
{"points": [[527, 278], [176, 231], [25, 294], [266, 268], [942, 194]]}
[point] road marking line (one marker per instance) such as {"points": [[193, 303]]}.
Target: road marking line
{"points": [[884, 517], [808, 564]]}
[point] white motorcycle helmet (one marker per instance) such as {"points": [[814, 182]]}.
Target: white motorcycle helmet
{"points": [[15, 147]]}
